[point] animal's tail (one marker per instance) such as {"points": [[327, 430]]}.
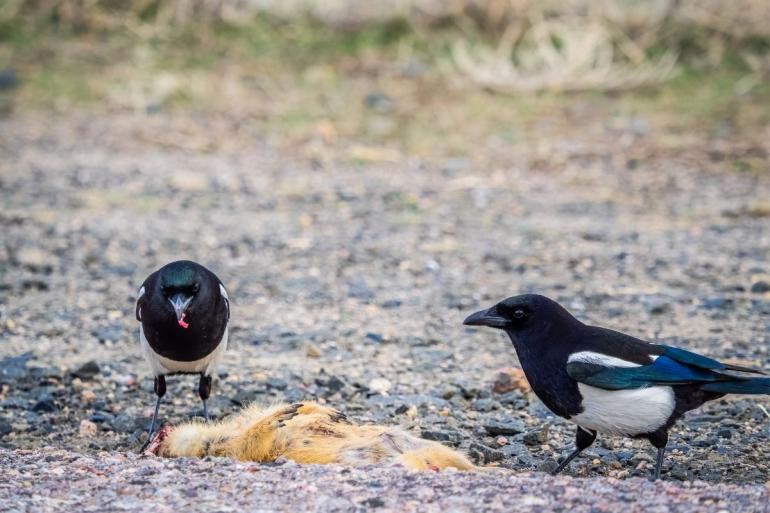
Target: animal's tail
{"points": [[435, 457], [744, 386]]}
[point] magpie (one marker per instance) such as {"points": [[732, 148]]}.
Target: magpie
{"points": [[183, 309], [609, 382]]}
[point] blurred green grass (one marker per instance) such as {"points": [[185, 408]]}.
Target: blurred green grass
{"points": [[389, 84]]}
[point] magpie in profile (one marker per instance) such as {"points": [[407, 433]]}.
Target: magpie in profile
{"points": [[608, 382], [184, 310]]}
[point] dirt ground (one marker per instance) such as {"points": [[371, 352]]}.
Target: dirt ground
{"points": [[349, 283], [126, 482]]}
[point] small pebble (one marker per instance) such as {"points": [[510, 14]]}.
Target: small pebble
{"points": [[313, 351], [87, 428], [380, 385]]}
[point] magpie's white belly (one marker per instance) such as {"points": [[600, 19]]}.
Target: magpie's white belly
{"points": [[162, 365], [625, 412]]}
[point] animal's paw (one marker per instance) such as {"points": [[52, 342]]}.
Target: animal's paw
{"points": [[287, 413], [316, 409], [337, 416]]}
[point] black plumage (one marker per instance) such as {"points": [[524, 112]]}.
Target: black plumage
{"points": [[607, 381]]}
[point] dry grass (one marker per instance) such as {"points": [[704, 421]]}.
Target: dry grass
{"points": [[739, 18], [561, 56], [509, 46], [378, 91]]}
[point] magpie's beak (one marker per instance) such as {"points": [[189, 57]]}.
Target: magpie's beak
{"points": [[180, 302], [488, 317]]}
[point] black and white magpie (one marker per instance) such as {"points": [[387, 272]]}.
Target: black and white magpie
{"points": [[608, 382], [184, 311]]}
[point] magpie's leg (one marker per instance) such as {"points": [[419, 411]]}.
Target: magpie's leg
{"points": [[659, 439], [583, 440], [204, 391], [160, 391], [659, 462]]}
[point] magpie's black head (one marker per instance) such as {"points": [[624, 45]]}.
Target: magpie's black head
{"points": [[180, 283], [522, 316]]}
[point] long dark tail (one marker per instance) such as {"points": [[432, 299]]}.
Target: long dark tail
{"points": [[745, 386]]}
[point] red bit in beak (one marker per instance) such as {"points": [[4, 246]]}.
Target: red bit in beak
{"points": [[182, 322]]}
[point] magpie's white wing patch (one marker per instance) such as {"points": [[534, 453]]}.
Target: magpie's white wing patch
{"points": [[227, 299], [600, 359], [139, 296]]}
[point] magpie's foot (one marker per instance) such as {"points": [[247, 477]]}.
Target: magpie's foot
{"points": [[561, 465], [150, 435], [551, 467], [202, 414], [659, 463]]}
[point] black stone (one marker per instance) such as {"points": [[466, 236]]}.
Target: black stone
{"points": [[657, 306], [100, 417], [705, 418], [373, 502], [13, 403], [468, 390], [14, 368], [716, 303], [725, 433], [127, 423], [450, 436], [276, 383], [402, 409], [334, 384], [485, 405], [112, 333], [535, 437], [293, 395], [488, 454], [504, 427], [87, 371], [45, 405]]}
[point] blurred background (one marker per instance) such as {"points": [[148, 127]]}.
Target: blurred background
{"points": [[363, 174], [379, 81]]}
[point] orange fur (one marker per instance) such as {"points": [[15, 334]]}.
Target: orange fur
{"points": [[307, 433]]}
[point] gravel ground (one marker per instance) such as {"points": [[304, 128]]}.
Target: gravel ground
{"points": [[57, 480], [349, 285]]}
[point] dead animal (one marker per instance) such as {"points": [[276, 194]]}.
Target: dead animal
{"points": [[306, 433]]}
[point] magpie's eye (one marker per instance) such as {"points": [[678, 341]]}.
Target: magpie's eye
{"points": [[195, 288], [519, 314]]}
